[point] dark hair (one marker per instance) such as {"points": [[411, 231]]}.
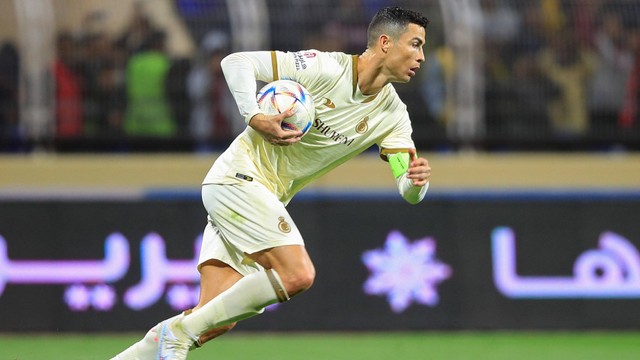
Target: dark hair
{"points": [[393, 21]]}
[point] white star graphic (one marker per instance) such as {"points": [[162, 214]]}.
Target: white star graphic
{"points": [[405, 272]]}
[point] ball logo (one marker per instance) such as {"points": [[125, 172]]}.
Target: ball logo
{"points": [[362, 126], [283, 225]]}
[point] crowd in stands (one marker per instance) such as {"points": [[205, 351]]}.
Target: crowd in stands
{"points": [[565, 69], [554, 70], [126, 92]]}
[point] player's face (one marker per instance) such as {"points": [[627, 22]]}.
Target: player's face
{"points": [[406, 54]]}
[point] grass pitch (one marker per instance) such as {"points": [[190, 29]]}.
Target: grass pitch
{"points": [[347, 346]]}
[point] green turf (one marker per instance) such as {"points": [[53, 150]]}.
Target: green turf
{"points": [[349, 346]]}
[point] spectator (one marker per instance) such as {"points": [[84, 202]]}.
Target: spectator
{"points": [[630, 115], [97, 67], [9, 84], [138, 33], [501, 23], [583, 19], [570, 69], [178, 95], [531, 37], [553, 16], [214, 119], [438, 83], [615, 61], [529, 94], [111, 95], [148, 113], [68, 89]]}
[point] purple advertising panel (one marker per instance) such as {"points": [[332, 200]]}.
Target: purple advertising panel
{"points": [[452, 262]]}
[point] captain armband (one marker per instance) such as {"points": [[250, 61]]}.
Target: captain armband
{"points": [[399, 163]]}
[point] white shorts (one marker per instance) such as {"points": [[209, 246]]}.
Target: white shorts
{"points": [[244, 218]]}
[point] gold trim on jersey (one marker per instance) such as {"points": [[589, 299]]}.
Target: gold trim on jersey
{"points": [[385, 152], [354, 69], [370, 98], [274, 65]]}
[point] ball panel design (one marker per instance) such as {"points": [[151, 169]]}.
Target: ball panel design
{"points": [[282, 95]]}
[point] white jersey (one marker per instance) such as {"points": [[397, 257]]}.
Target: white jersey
{"points": [[347, 121]]}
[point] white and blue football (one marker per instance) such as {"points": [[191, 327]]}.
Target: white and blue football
{"points": [[281, 95]]}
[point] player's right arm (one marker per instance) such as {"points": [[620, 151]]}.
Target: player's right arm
{"points": [[241, 70]]}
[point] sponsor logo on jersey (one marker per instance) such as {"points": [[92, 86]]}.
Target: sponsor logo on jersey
{"points": [[304, 59], [328, 103], [330, 133], [244, 177]]}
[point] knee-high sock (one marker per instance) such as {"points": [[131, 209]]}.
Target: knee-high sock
{"points": [[244, 299]]}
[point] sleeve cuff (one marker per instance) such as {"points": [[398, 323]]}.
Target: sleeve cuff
{"points": [[248, 117]]}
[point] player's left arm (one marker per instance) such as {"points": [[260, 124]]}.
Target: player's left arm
{"points": [[412, 174]]}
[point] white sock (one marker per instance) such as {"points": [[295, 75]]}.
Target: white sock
{"points": [[244, 299]]}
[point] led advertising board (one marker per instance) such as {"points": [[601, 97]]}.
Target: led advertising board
{"points": [[448, 263]]}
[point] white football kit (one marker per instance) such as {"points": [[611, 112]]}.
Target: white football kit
{"points": [[248, 186]]}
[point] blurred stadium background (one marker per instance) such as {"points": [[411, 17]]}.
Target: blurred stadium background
{"points": [[500, 74], [111, 112]]}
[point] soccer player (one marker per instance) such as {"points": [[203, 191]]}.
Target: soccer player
{"points": [[252, 253]]}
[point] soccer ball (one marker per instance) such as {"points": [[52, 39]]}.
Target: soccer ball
{"points": [[281, 95]]}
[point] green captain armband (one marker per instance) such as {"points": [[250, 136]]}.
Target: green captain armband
{"points": [[399, 163]]}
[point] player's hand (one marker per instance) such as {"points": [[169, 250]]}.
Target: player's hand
{"points": [[419, 170], [270, 128]]}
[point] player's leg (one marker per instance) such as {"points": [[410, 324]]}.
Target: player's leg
{"points": [[249, 295], [289, 272], [248, 219], [292, 264], [253, 225], [215, 278], [246, 298]]}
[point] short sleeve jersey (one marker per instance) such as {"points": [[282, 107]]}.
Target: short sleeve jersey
{"points": [[347, 123]]}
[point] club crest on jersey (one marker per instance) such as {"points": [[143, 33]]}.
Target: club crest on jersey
{"points": [[362, 126], [283, 225]]}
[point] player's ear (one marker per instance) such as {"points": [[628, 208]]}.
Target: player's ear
{"points": [[384, 42]]}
